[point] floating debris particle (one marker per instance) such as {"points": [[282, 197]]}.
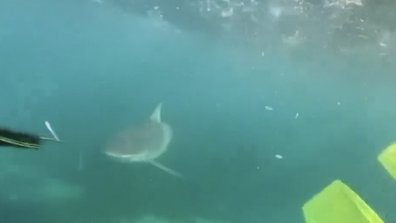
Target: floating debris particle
{"points": [[383, 44], [296, 115], [338, 103], [278, 156], [269, 108]]}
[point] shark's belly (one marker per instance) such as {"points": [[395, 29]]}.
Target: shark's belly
{"points": [[142, 144], [155, 149]]}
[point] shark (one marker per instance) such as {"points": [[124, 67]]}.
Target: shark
{"points": [[143, 143]]}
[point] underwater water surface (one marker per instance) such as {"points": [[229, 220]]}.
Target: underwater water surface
{"points": [[93, 71]]}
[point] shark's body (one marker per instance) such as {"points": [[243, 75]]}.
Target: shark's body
{"points": [[143, 143]]}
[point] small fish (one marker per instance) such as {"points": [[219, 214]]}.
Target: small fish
{"points": [[51, 131], [143, 143], [296, 115], [24, 140], [269, 108]]}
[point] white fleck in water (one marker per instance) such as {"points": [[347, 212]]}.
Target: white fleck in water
{"points": [[269, 108], [276, 11], [278, 156], [296, 115], [227, 13]]}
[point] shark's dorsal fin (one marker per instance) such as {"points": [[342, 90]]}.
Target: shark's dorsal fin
{"points": [[156, 116]]}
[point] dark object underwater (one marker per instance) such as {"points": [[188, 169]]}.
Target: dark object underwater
{"points": [[24, 140]]}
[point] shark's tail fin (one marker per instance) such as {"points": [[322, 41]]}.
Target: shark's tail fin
{"points": [[54, 136]]}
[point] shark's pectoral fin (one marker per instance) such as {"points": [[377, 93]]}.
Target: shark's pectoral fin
{"points": [[166, 169]]}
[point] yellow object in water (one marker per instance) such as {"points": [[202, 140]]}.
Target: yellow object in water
{"points": [[338, 203], [388, 159]]}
